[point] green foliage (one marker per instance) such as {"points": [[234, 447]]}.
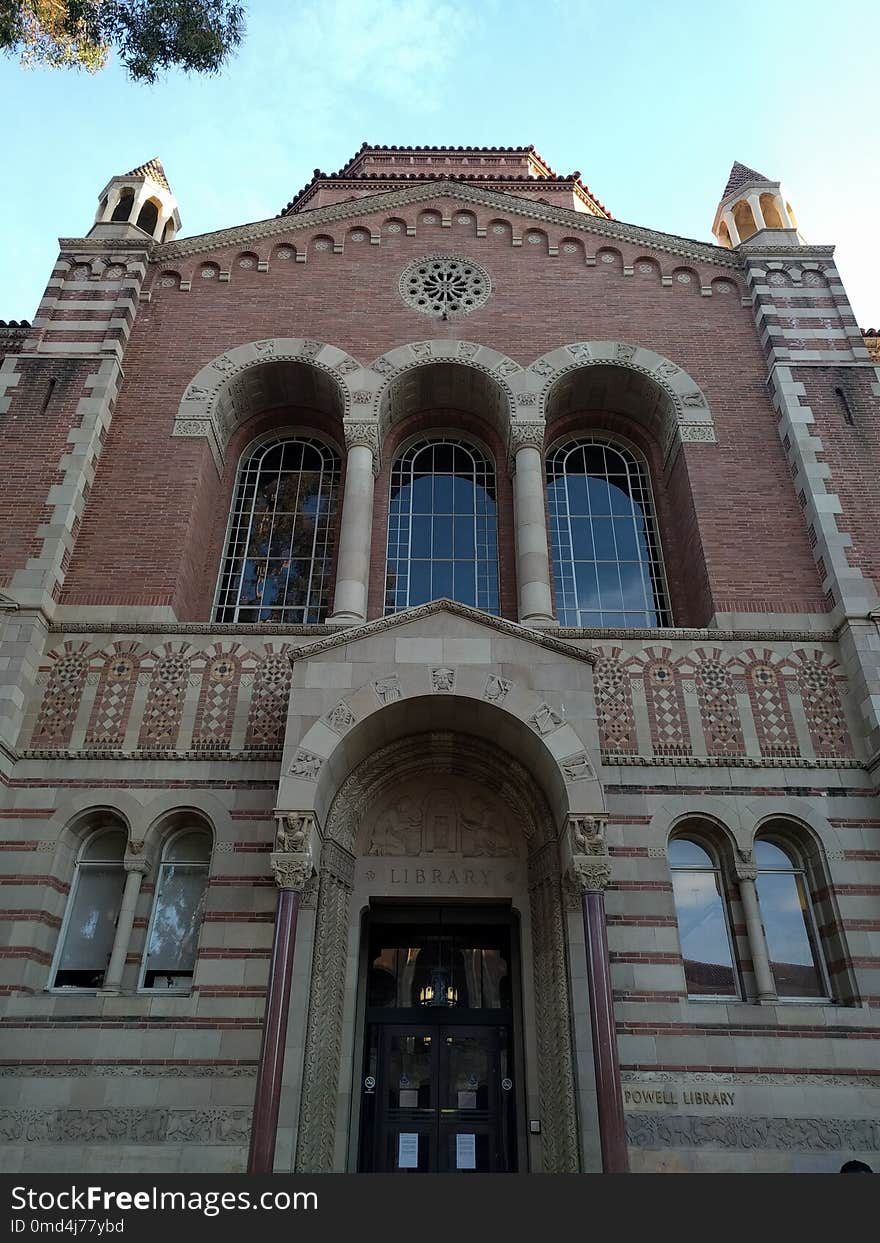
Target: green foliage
{"points": [[149, 36]]}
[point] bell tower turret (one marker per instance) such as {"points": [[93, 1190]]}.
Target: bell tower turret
{"points": [[136, 204], [754, 206]]}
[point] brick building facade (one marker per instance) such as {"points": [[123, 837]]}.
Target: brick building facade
{"points": [[440, 722]]}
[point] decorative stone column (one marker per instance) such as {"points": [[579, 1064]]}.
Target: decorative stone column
{"points": [[294, 862], [746, 875], [589, 868], [356, 527], [136, 866], [532, 552]]}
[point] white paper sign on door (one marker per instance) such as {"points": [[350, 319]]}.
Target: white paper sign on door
{"points": [[408, 1150], [465, 1152]]}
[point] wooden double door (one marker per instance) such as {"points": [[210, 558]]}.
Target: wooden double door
{"points": [[442, 1098]]}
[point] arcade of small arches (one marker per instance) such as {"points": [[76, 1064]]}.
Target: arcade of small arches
{"points": [[589, 432]]}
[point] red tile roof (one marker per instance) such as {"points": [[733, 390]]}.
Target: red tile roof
{"points": [[350, 172]]}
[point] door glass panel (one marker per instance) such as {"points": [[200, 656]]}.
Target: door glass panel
{"points": [[409, 1080], [466, 1081]]}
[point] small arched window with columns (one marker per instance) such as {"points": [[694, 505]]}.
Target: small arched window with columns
{"points": [[282, 532], [442, 526], [607, 563], [172, 942], [89, 926], [789, 923], [703, 919]]}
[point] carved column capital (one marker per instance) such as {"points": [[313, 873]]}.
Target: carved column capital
{"points": [[362, 433], [590, 872], [524, 435], [135, 858], [291, 871], [744, 864]]}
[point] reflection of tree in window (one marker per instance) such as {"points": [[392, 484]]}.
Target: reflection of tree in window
{"points": [[703, 930], [607, 565], [177, 915], [442, 527], [786, 913], [95, 899], [280, 546]]}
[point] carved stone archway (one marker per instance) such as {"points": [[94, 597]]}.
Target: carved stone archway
{"points": [[666, 397], [257, 376], [453, 755]]}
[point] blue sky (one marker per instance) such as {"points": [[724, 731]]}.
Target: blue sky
{"points": [[651, 101]]}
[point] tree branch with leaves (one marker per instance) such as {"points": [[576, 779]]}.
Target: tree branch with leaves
{"points": [[148, 36]]}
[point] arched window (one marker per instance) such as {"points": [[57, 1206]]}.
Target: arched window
{"points": [[703, 923], [170, 958], [279, 552], [122, 210], [148, 216], [92, 911], [789, 926], [442, 527], [607, 566]]}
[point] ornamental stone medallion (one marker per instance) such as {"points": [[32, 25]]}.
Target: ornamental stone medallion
{"points": [[445, 285]]}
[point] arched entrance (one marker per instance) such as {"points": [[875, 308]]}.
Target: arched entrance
{"points": [[439, 872]]}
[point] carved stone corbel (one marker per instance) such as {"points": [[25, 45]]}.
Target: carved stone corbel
{"points": [[584, 851], [297, 849]]}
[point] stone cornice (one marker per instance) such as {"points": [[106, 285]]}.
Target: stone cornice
{"points": [[577, 222], [351, 634], [268, 631]]}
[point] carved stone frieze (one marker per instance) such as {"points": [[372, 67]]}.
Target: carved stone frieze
{"points": [[664, 1131], [118, 1125]]}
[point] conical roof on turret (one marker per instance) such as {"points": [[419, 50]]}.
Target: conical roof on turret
{"points": [[153, 168], [741, 175]]}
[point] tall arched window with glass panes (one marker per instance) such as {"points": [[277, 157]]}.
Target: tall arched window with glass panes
{"points": [[280, 546], [607, 563], [442, 526]]}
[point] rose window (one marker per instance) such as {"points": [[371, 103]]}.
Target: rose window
{"points": [[445, 285]]}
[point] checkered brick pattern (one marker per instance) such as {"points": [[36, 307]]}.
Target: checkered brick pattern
{"points": [[112, 706], [614, 708], [57, 716], [165, 700], [268, 711]]}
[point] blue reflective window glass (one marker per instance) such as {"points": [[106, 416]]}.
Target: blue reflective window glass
{"points": [[606, 553], [442, 531]]}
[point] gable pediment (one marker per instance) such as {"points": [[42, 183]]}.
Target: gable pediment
{"points": [[355, 210], [433, 620]]}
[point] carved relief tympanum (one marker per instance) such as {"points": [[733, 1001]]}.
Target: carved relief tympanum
{"points": [[444, 821]]}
